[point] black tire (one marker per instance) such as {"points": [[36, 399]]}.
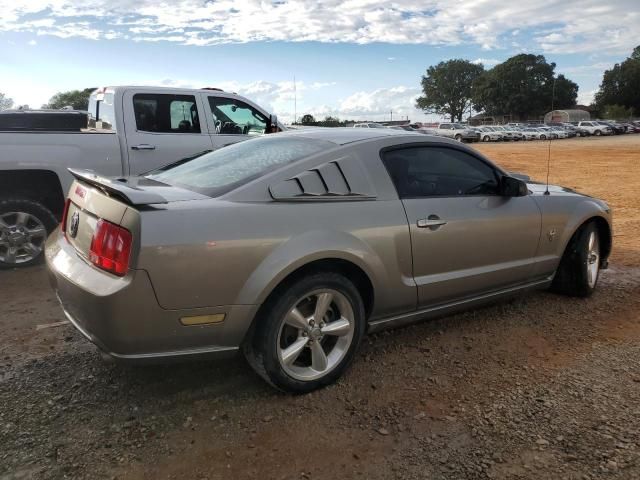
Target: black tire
{"points": [[486, 138], [543, 137], [36, 209], [597, 133], [261, 348], [458, 138], [572, 276]]}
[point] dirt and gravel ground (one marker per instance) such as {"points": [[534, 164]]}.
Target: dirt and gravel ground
{"points": [[542, 387]]}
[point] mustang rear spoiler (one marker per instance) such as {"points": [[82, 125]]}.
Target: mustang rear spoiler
{"points": [[121, 188]]}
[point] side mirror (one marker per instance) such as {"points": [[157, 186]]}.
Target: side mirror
{"points": [[272, 126], [513, 187]]}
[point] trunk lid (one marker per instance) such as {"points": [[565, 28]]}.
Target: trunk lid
{"points": [[93, 198]]}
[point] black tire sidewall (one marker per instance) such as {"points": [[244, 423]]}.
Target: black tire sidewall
{"points": [[266, 335], [37, 210], [572, 277]]}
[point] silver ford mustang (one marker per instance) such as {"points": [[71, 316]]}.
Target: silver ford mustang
{"points": [[291, 247]]}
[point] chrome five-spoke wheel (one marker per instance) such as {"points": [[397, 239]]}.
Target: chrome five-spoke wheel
{"points": [[316, 334], [593, 259], [22, 237]]}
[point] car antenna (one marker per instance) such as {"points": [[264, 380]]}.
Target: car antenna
{"points": [[553, 94]]}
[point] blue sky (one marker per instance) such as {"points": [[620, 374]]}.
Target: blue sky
{"points": [[354, 58]]}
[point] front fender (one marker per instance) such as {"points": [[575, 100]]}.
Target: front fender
{"points": [[585, 210]]}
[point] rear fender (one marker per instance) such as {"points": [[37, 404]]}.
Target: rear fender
{"points": [[304, 249]]}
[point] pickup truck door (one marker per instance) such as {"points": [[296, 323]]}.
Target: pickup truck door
{"points": [[466, 239], [232, 120], [161, 128]]}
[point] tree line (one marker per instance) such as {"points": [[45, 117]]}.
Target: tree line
{"points": [[524, 86]]}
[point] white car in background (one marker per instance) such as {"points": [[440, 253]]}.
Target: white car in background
{"points": [[488, 134], [595, 128], [560, 132], [368, 125], [509, 133]]}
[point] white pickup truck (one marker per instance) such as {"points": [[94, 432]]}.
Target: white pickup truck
{"points": [[130, 130]]}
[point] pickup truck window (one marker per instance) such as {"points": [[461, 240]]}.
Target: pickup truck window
{"points": [[101, 111], [234, 117], [163, 113]]}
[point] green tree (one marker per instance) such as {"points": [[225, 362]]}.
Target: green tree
{"points": [[330, 122], [523, 86], [307, 120], [447, 88], [621, 84], [616, 112], [78, 99], [5, 102]]}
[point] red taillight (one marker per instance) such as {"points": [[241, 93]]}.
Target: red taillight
{"points": [[65, 214], [110, 248]]}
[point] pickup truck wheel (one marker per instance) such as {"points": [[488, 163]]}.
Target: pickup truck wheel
{"points": [[309, 334], [577, 274], [24, 227]]}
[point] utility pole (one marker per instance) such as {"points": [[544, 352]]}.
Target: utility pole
{"points": [[391, 118], [295, 101]]}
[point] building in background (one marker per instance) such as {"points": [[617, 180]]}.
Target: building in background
{"points": [[567, 116]]}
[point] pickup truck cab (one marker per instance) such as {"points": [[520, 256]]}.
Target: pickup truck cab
{"points": [[130, 130]]}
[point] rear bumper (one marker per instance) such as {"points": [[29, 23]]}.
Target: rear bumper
{"points": [[122, 317]]}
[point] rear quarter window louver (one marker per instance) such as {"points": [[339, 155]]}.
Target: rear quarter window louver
{"points": [[342, 179]]}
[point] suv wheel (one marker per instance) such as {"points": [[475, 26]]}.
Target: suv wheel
{"points": [[486, 138], [24, 227], [458, 138], [597, 133], [309, 335]]}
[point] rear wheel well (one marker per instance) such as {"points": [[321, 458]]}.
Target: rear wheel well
{"points": [[334, 265], [42, 186]]}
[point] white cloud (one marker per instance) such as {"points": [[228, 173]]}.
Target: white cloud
{"points": [[586, 97], [32, 43], [558, 26], [487, 62]]}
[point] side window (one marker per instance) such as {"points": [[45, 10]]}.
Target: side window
{"points": [[439, 171], [162, 113], [232, 116]]}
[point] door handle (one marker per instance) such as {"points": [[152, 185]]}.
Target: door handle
{"points": [[144, 146], [432, 222]]}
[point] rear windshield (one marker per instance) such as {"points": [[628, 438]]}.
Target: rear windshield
{"points": [[223, 170]]}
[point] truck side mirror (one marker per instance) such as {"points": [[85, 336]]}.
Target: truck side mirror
{"points": [[272, 125]]}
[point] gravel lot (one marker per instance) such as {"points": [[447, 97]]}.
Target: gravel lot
{"points": [[541, 387]]}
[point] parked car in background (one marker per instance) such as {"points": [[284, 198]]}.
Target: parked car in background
{"points": [[509, 133], [130, 130], [559, 132], [531, 133], [487, 134], [595, 128], [390, 228], [458, 132], [368, 125]]}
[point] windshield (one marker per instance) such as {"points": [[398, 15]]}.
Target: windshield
{"points": [[223, 170]]}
